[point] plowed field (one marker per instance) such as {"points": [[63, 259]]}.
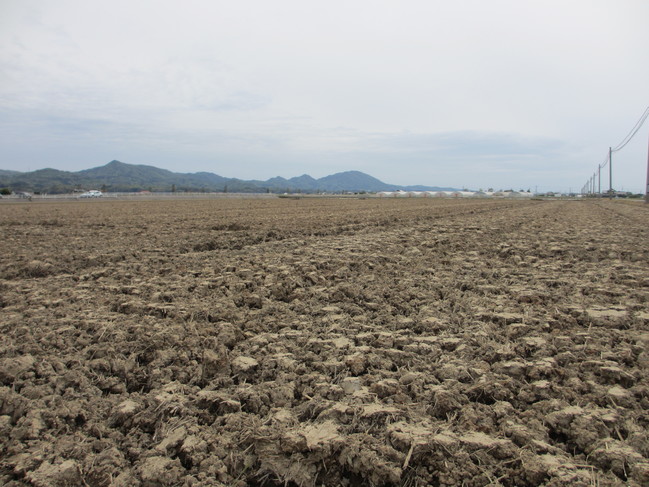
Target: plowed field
{"points": [[325, 342]]}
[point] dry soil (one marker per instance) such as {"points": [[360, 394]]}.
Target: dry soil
{"points": [[324, 342]]}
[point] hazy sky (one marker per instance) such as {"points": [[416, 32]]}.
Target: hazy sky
{"points": [[474, 93]]}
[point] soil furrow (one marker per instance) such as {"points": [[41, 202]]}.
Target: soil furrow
{"points": [[324, 342]]}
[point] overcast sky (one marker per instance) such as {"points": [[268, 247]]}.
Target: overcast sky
{"points": [[468, 93]]}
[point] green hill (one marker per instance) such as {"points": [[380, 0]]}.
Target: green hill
{"points": [[118, 176]]}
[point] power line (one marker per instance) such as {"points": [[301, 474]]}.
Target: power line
{"points": [[603, 164], [633, 131], [589, 187]]}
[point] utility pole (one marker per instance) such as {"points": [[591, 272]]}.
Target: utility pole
{"points": [[610, 173], [646, 194], [594, 179], [599, 180]]}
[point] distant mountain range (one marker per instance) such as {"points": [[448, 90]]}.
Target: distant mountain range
{"points": [[120, 177]]}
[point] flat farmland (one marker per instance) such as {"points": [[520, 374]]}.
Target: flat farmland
{"points": [[308, 342]]}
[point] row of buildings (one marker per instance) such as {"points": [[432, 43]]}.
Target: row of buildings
{"points": [[455, 194]]}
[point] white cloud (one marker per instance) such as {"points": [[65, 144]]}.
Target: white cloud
{"points": [[308, 87]]}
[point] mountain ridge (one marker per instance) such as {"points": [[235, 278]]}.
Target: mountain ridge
{"points": [[123, 177]]}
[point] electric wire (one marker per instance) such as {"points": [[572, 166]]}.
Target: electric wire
{"points": [[638, 125], [633, 131], [603, 164]]}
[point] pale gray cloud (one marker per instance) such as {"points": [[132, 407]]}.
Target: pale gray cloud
{"points": [[501, 93]]}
